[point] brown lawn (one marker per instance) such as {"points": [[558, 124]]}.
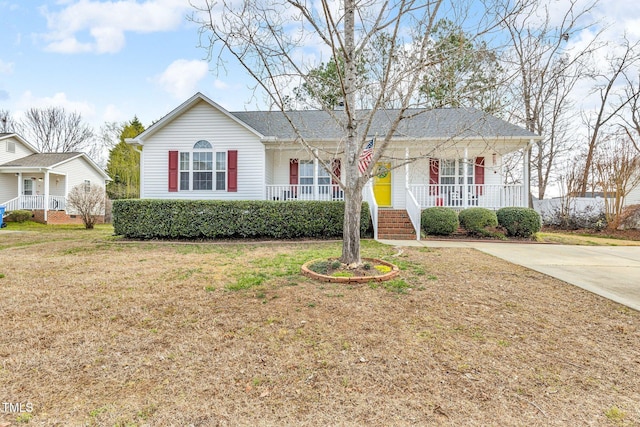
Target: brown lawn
{"points": [[101, 332]]}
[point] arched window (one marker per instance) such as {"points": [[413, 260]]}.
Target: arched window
{"points": [[202, 144], [196, 167]]}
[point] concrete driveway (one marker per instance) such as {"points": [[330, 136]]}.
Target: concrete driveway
{"points": [[609, 271]]}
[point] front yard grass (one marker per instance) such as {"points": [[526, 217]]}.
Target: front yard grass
{"points": [[97, 331]]}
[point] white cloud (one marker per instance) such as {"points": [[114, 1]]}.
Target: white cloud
{"points": [[182, 76], [107, 22], [112, 114], [219, 84], [28, 100], [6, 67]]}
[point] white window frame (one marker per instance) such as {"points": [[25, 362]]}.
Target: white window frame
{"points": [[11, 146], [188, 160]]}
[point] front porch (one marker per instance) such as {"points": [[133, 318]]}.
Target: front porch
{"points": [[33, 203], [426, 195], [416, 197], [45, 210]]}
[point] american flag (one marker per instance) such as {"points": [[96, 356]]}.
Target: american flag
{"points": [[365, 156]]}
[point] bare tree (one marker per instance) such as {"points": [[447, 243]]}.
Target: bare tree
{"points": [[52, 129], [616, 166], [547, 72], [270, 39], [88, 201], [609, 106], [630, 116], [7, 124]]}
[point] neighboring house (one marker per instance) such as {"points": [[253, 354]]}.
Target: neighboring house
{"points": [[40, 182], [201, 151]]}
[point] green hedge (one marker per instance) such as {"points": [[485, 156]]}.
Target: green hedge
{"points": [[519, 222], [210, 219], [439, 221], [477, 220]]}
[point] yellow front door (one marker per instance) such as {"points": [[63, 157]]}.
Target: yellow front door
{"points": [[382, 184]]}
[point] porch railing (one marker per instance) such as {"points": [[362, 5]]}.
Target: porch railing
{"points": [[34, 203], [460, 196], [414, 211], [304, 192]]}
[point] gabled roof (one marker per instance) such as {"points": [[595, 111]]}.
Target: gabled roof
{"points": [[41, 160], [19, 138], [50, 161], [457, 123], [139, 140], [419, 124]]}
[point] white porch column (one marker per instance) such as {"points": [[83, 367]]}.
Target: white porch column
{"points": [[406, 168], [315, 174], [20, 184], [525, 175], [46, 194], [465, 179]]}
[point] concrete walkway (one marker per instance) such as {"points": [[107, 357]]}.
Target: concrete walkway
{"points": [[609, 271]]}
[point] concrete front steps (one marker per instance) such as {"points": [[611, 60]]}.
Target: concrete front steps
{"points": [[395, 224]]}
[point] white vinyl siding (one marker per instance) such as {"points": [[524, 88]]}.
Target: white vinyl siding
{"points": [[19, 151], [203, 122], [8, 187]]}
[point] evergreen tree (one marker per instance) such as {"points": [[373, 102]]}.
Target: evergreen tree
{"points": [[123, 166]]}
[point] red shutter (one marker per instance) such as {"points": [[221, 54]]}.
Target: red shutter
{"points": [[232, 170], [479, 174], [434, 172], [293, 176], [173, 171]]}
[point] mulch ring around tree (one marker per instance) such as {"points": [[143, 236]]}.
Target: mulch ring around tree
{"points": [[332, 270]]}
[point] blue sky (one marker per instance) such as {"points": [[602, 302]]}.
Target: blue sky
{"points": [[111, 60]]}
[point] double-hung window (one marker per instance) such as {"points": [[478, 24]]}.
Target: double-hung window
{"points": [[324, 181], [221, 171], [306, 176], [198, 169]]}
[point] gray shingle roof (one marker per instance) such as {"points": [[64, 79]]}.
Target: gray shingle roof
{"points": [[41, 160], [420, 124]]}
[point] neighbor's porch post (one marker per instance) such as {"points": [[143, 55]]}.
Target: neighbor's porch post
{"points": [[46, 194], [525, 175], [19, 174]]}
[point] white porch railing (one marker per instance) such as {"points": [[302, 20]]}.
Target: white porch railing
{"points": [[414, 211], [304, 192], [32, 203], [461, 196]]}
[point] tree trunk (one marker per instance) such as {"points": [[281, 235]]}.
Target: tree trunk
{"points": [[351, 232], [353, 182]]}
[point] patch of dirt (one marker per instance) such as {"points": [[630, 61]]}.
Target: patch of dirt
{"points": [[616, 234]]}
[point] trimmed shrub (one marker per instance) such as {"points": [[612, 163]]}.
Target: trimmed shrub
{"points": [[211, 219], [439, 221], [477, 220], [20, 216], [519, 222]]}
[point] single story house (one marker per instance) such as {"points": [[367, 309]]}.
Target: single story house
{"points": [[202, 151], [40, 182]]}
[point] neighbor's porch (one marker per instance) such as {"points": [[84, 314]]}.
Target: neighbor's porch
{"points": [[42, 192]]}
